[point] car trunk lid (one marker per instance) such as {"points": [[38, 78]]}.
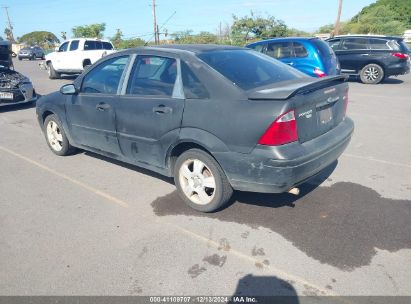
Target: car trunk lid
{"points": [[319, 105]]}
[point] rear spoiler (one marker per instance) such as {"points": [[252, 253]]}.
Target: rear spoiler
{"points": [[287, 90]]}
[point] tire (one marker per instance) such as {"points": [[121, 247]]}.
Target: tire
{"points": [[19, 58], [195, 168], [56, 137], [372, 74], [52, 72]]}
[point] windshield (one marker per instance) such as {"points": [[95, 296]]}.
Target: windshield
{"points": [[248, 69]]}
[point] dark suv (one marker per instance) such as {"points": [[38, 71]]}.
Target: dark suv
{"points": [[373, 58]]}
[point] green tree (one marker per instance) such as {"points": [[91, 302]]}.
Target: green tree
{"points": [[95, 30], [183, 37], [256, 27], [326, 29], [186, 37], [8, 33], [131, 43], [117, 39], [293, 32], [42, 38], [400, 10], [378, 19]]}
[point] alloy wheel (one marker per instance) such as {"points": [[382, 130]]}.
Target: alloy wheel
{"points": [[54, 136], [371, 73], [197, 181]]}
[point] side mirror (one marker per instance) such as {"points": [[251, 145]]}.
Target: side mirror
{"points": [[68, 89], [56, 49]]}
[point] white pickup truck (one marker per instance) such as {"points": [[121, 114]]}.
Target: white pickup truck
{"points": [[74, 55]]}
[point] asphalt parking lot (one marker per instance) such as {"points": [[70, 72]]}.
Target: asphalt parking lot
{"points": [[88, 225]]}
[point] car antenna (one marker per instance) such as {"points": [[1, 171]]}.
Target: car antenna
{"points": [[161, 27]]}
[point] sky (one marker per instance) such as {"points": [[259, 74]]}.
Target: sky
{"points": [[135, 19]]}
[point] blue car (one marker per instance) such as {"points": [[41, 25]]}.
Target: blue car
{"points": [[311, 56]]}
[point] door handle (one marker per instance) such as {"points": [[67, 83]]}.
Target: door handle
{"points": [[103, 106], [290, 63], [162, 109]]}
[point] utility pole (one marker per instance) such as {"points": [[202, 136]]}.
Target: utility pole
{"points": [[337, 22], [6, 8], [155, 23]]}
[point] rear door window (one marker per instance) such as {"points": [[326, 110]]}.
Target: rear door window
{"points": [[299, 50], [89, 45], [280, 50], [153, 76], [355, 44]]}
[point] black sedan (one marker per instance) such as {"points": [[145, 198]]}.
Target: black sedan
{"points": [[216, 118], [15, 88]]}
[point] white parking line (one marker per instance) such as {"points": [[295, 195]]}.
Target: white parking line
{"points": [[370, 158], [281, 273]]}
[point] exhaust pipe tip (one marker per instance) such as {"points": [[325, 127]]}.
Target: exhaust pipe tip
{"points": [[294, 191]]}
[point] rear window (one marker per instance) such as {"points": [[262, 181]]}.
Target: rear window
{"points": [[248, 69], [404, 46], [322, 47]]}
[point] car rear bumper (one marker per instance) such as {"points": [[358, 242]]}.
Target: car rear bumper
{"points": [[398, 69], [278, 169], [25, 56]]}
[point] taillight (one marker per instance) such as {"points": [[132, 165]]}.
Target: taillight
{"points": [[282, 131], [400, 55], [319, 73], [345, 99]]}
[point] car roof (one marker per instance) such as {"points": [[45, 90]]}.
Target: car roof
{"points": [[180, 49], [285, 39], [91, 39], [367, 36], [195, 48]]}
